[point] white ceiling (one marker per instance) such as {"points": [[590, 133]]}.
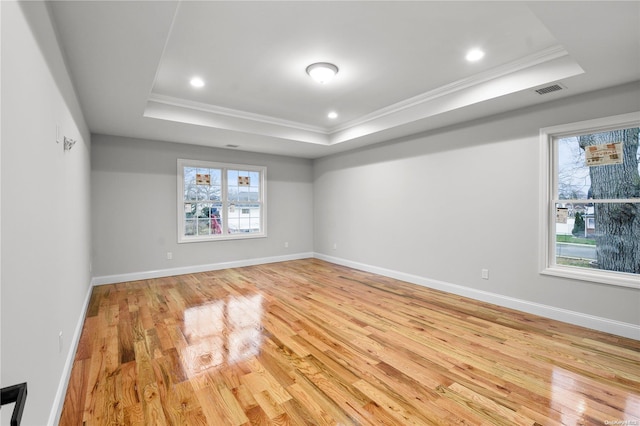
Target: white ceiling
{"points": [[402, 66]]}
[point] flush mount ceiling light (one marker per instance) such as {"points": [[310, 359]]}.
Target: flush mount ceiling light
{"points": [[332, 115], [322, 72], [474, 55], [197, 82]]}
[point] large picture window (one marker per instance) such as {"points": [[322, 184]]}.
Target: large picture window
{"points": [[219, 201], [591, 200]]}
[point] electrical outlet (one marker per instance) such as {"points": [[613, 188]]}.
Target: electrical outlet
{"points": [[169, 255], [485, 274], [335, 246], [286, 244]]}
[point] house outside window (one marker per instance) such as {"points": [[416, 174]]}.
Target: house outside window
{"points": [[590, 196], [220, 201]]}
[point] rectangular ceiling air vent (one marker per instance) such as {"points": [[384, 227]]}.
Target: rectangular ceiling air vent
{"points": [[549, 89]]}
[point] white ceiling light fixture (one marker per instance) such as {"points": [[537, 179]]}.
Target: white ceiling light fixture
{"points": [[332, 115], [197, 82], [322, 72], [474, 55]]}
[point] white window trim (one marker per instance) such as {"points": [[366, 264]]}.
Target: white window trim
{"points": [[548, 164], [224, 166]]}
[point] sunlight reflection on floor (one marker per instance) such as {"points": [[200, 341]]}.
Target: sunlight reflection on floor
{"points": [[223, 332]]}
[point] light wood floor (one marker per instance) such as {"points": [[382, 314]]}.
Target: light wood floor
{"points": [[311, 343]]}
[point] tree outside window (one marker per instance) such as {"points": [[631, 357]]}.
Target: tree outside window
{"points": [[593, 225]]}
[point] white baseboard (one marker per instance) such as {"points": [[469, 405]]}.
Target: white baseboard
{"points": [[577, 318], [135, 276], [58, 402], [585, 320]]}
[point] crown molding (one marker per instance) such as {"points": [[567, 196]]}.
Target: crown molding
{"points": [[547, 65], [540, 57], [234, 113]]}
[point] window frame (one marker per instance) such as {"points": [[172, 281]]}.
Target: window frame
{"points": [[224, 200], [548, 196]]}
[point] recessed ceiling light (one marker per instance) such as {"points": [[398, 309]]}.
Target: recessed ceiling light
{"points": [[197, 82], [332, 115], [322, 72], [474, 55]]}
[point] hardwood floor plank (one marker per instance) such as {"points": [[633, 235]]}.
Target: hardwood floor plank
{"points": [[307, 342], [496, 412], [210, 406], [261, 381], [232, 406], [87, 338], [310, 400], [398, 409], [129, 385], [147, 387], [75, 399], [133, 415]]}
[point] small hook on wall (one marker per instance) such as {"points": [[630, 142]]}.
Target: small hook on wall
{"points": [[68, 143]]}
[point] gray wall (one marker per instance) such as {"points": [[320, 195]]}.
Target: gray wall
{"points": [[441, 205], [45, 210], [445, 204], [134, 221]]}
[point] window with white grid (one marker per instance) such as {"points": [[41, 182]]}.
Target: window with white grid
{"points": [[591, 200], [220, 201]]}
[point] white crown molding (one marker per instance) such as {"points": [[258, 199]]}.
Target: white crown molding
{"points": [[234, 113], [543, 56], [464, 94], [542, 67]]}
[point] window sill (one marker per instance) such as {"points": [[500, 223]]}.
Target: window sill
{"points": [[238, 236], [619, 279]]}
